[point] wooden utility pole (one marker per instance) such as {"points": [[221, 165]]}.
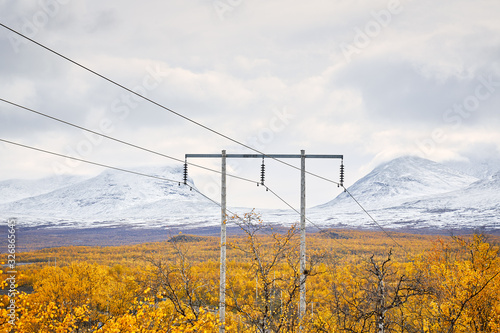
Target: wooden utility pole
{"points": [[303, 272], [302, 287], [222, 289]]}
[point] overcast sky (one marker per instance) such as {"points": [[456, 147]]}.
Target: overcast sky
{"points": [[372, 80]]}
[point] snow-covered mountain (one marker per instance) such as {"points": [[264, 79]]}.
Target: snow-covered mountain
{"points": [[17, 189], [479, 168], [407, 192], [415, 193], [113, 197], [400, 180], [482, 195]]}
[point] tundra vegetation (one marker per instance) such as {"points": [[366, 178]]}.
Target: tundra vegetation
{"points": [[357, 281]]}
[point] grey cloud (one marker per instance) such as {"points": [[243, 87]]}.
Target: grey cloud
{"points": [[231, 74]]}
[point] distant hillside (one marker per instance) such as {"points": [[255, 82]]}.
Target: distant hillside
{"points": [[402, 179], [112, 198], [17, 189], [405, 193], [417, 194]]}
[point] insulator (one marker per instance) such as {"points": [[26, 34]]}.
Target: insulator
{"points": [[185, 172], [342, 174], [262, 172]]}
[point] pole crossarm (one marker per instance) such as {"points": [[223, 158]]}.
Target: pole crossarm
{"points": [[262, 156], [303, 271]]}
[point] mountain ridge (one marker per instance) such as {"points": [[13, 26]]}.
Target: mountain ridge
{"points": [[407, 192], [402, 179], [113, 196], [18, 189]]}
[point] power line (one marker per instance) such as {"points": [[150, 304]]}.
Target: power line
{"points": [[172, 181], [170, 157], [307, 219], [90, 162], [158, 104], [185, 118], [236, 216], [371, 217], [120, 141], [115, 168]]}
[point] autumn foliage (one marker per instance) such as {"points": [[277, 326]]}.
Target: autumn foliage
{"points": [[356, 282]]}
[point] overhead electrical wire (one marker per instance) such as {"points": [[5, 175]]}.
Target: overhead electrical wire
{"points": [[173, 112], [90, 162], [177, 159], [179, 182], [121, 141], [307, 219], [159, 104], [371, 217], [235, 216]]}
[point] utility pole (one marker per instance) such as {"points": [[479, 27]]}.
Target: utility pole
{"points": [[303, 273], [302, 287], [222, 288]]}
